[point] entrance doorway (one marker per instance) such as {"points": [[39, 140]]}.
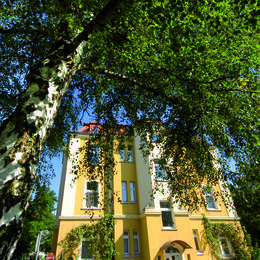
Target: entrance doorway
{"points": [[172, 253]]}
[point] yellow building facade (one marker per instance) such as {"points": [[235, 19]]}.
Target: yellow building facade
{"points": [[146, 227]]}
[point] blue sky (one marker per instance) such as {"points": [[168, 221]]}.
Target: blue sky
{"points": [[57, 165]]}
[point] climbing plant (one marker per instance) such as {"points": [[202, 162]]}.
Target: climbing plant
{"points": [[234, 235], [99, 234]]}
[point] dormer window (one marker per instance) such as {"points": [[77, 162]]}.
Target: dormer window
{"points": [[94, 129]]}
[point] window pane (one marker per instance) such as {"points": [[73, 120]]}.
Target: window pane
{"points": [[167, 219], [196, 240], [136, 242], [159, 171], [132, 191], [94, 155], [92, 199], [210, 202], [136, 246], [95, 199], [92, 185], [94, 129], [172, 249], [122, 154], [225, 247], [85, 250], [124, 192], [165, 204], [130, 154], [155, 138], [126, 242], [209, 197], [126, 249], [92, 194]]}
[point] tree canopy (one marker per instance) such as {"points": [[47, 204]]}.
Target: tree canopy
{"points": [[191, 65], [38, 217]]}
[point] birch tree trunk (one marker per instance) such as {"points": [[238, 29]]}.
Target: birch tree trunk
{"points": [[22, 137], [24, 133]]}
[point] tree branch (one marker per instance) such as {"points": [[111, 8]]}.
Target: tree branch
{"points": [[93, 25], [112, 74], [22, 31]]}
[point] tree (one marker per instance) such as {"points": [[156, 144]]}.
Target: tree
{"points": [[192, 65], [37, 218], [246, 194]]}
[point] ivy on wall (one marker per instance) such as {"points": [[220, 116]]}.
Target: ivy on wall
{"points": [[233, 233], [100, 235]]}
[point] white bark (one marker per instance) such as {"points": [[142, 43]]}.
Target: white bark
{"points": [[21, 141]]}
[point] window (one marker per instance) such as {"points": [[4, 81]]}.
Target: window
{"points": [[94, 129], [92, 194], [136, 242], [130, 154], [124, 192], [94, 155], [155, 138], [166, 210], [126, 242], [172, 253], [195, 235], [159, 171], [122, 154], [224, 247], [132, 192], [210, 200], [85, 253]]}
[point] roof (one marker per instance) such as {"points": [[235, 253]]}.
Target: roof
{"points": [[95, 127]]}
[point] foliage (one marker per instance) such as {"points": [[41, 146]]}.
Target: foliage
{"points": [[232, 232], [246, 194], [191, 65], [39, 216], [101, 237]]}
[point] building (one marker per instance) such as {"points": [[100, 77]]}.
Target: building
{"points": [[146, 227]]}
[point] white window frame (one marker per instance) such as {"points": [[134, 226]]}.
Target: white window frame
{"points": [[136, 238], [126, 237], [132, 192], [86, 191], [209, 193], [124, 191], [80, 250], [130, 153], [169, 209], [221, 249]]}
